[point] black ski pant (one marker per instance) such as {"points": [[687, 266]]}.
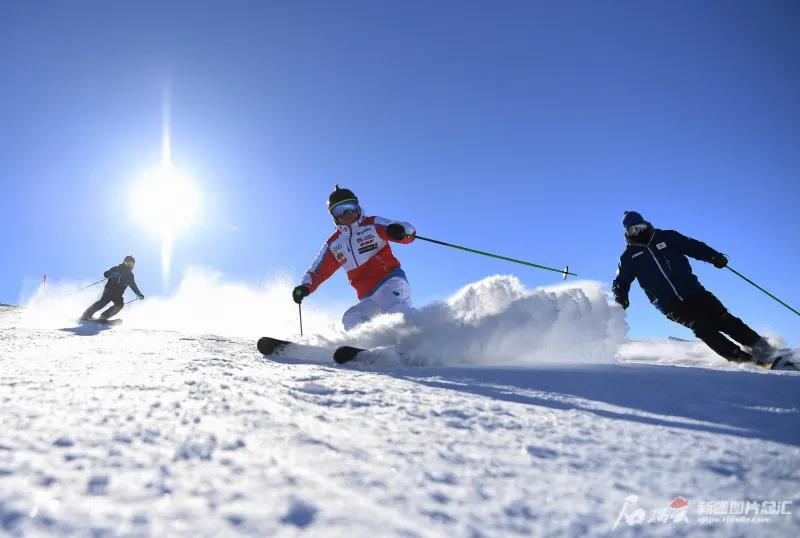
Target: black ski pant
{"points": [[107, 297], [708, 319]]}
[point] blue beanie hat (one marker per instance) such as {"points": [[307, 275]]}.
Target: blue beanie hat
{"points": [[631, 218]]}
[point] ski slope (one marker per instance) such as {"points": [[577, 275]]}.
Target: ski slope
{"points": [[142, 431]]}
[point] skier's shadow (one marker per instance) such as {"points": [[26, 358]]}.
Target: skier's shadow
{"points": [[87, 329], [744, 404]]}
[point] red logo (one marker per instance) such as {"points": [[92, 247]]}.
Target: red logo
{"points": [[679, 502]]}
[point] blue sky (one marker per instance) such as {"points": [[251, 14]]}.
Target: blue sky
{"points": [[524, 128]]}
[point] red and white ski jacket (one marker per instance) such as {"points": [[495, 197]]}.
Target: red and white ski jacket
{"points": [[362, 248]]}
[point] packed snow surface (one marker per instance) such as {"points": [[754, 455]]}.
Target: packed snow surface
{"points": [[501, 411]]}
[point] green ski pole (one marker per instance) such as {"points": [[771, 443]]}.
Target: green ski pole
{"points": [[564, 272], [740, 275]]}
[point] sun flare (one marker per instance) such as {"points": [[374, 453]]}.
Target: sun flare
{"points": [[165, 202]]}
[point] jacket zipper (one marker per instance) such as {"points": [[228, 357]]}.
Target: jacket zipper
{"points": [[350, 240], [671, 285]]}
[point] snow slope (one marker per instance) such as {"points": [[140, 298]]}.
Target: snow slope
{"points": [[134, 431]]}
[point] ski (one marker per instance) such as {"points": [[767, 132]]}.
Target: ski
{"points": [[676, 339], [275, 347], [345, 354], [101, 321]]}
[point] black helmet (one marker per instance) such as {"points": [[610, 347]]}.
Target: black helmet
{"points": [[340, 195], [129, 259]]}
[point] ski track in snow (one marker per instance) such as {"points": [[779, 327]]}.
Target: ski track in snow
{"points": [[131, 432]]}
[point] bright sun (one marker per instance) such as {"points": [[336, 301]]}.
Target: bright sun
{"points": [[165, 202]]}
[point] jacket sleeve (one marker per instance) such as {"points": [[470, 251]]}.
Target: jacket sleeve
{"points": [[133, 286], [322, 268], [381, 224], [694, 248], [624, 279]]}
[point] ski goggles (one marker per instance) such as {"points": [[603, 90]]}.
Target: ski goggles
{"points": [[636, 229], [344, 208]]}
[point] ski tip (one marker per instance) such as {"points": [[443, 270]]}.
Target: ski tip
{"points": [[270, 346], [345, 354], [565, 272]]}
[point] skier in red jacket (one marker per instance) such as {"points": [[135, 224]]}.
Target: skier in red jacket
{"points": [[360, 244]]}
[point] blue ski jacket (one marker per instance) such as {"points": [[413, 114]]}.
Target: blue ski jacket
{"points": [[662, 269]]}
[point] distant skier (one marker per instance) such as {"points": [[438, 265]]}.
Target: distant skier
{"points": [[657, 258], [119, 278], [360, 244]]}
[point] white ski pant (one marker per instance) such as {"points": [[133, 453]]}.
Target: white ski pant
{"points": [[394, 295]]}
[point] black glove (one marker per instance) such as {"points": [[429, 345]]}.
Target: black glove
{"points": [[300, 292], [141, 297], [719, 261], [396, 231], [623, 302]]}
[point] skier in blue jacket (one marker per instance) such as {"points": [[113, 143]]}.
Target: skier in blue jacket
{"points": [[657, 259]]}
